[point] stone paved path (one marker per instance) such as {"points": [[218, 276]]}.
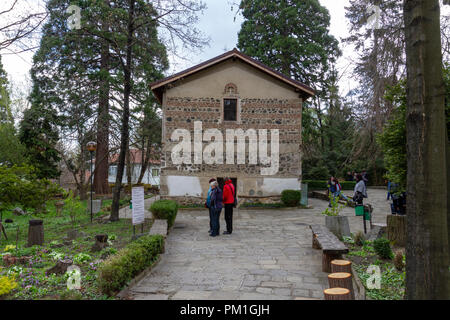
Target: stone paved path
{"points": [[268, 256]]}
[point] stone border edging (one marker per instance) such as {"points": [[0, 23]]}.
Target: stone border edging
{"points": [[125, 290], [360, 293]]}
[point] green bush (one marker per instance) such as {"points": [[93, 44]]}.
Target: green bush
{"points": [[19, 185], [383, 248], [322, 184], [122, 267], [165, 209], [291, 198]]}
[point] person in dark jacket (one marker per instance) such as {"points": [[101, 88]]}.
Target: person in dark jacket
{"points": [[229, 193], [208, 204], [216, 205]]}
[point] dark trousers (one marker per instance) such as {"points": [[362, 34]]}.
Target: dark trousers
{"points": [[210, 219], [229, 216], [215, 222]]}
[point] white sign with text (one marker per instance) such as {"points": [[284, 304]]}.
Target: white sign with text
{"points": [[137, 200]]}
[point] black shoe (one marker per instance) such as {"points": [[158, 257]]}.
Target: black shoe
{"points": [[226, 232], [213, 235]]}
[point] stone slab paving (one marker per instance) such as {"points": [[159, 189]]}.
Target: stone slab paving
{"points": [[268, 256]]}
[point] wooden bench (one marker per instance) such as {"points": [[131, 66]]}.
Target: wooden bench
{"points": [[332, 247]]}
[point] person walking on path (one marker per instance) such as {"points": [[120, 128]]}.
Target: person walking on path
{"points": [[208, 204], [229, 194], [365, 178], [360, 191], [216, 205]]}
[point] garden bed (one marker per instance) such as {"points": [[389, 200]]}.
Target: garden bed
{"points": [[30, 276], [392, 280]]}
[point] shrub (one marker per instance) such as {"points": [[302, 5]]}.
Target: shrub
{"points": [[398, 261], [291, 198], [120, 268], [165, 209], [383, 248]]}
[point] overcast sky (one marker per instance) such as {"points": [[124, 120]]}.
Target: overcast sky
{"points": [[217, 23]]}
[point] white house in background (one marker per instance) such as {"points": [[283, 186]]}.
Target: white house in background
{"points": [[151, 175]]}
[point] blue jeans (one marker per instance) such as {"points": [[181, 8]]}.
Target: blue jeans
{"points": [[339, 194], [215, 222]]}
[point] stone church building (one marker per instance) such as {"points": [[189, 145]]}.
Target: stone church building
{"points": [[231, 92]]}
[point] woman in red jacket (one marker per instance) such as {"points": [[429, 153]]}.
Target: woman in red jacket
{"points": [[229, 194]]}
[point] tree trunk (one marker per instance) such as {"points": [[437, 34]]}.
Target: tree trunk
{"points": [[60, 267], [342, 280], [337, 294], [396, 229], [101, 185], [427, 256], [124, 132], [101, 157]]}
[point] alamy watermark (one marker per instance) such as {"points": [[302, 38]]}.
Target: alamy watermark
{"points": [[374, 280], [374, 19], [74, 20], [213, 153]]}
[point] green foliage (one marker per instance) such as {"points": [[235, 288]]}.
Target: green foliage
{"points": [[5, 101], [165, 209], [336, 207], [12, 151], [393, 138], [322, 184], [291, 198], [120, 268], [20, 185], [81, 258], [383, 248], [39, 134]]}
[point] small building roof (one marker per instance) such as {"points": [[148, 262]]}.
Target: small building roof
{"points": [[158, 86]]}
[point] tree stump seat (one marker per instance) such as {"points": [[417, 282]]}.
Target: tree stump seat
{"points": [[332, 247]]}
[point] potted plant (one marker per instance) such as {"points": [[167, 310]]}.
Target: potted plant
{"points": [[337, 224]]}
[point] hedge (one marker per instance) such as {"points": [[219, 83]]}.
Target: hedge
{"points": [[291, 198], [165, 209], [322, 184], [119, 269]]}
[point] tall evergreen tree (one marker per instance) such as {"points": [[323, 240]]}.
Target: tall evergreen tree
{"points": [[5, 101]]}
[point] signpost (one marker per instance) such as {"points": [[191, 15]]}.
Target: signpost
{"points": [[137, 207]]}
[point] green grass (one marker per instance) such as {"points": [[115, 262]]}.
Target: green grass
{"points": [[33, 282]]}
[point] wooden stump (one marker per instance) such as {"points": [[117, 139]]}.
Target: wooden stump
{"points": [[59, 205], [326, 260], [396, 229], [341, 266], [35, 233], [61, 267], [337, 294], [101, 242], [342, 280]]}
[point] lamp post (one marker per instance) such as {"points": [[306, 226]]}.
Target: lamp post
{"points": [[91, 146]]}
